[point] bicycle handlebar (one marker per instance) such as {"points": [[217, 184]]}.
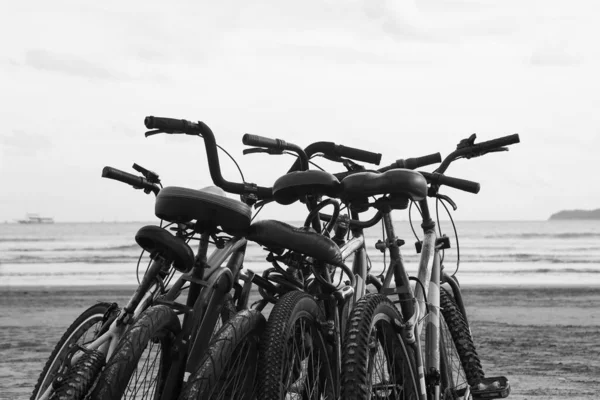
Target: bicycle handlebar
{"points": [[414, 163], [497, 143], [468, 148], [138, 182], [357, 154], [170, 125], [457, 183], [329, 149], [276, 144]]}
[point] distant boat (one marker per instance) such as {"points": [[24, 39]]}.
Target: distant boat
{"points": [[36, 219]]}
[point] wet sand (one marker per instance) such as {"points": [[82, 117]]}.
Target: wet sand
{"points": [[545, 340]]}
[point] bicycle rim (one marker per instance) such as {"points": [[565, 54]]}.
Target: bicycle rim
{"points": [[454, 379]]}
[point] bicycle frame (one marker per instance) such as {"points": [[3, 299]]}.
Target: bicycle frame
{"points": [[420, 307]]}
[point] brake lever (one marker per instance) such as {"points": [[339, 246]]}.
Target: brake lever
{"points": [[351, 165], [448, 199], [151, 176], [470, 141], [262, 203], [482, 153], [157, 131], [332, 158], [154, 132], [498, 149], [262, 150]]}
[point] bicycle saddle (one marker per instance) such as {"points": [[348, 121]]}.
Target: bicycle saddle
{"points": [[154, 239], [398, 182], [278, 235], [295, 185], [209, 207]]}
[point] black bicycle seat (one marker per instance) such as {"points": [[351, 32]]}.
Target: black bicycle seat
{"points": [[209, 207], [276, 235], [397, 182], [295, 185]]}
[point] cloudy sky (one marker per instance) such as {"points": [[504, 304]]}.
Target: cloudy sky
{"points": [[404, 78]]}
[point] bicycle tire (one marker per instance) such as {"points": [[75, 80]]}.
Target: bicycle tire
{"points": [[88, 321], [156, 325], [228, 368], [285, 368], [460, 364], [371, 326]]}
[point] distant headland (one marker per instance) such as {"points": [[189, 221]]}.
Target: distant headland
{"points": [[576, 214]]}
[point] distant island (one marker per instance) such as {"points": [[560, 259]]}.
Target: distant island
{"points": [[577, 214]]}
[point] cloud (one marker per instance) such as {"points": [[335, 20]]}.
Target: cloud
{"points": [[551, 58], [68, 65], [556, 51], [399, 18], [25, 140]]}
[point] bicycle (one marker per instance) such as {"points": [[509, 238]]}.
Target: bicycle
{"points": [[379, 330], [106, 361]]}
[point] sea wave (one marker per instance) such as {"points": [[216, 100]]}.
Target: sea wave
{"points": [[536, 235], [62, 249], [91, 259], [505, 258], [27, 239], [127, 254], [537, 271]]}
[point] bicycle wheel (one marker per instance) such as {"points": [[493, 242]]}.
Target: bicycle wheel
{"points": [[141, 361], [228, 369], [460, 364], [376, 363], [293, 357], [82, 330]]}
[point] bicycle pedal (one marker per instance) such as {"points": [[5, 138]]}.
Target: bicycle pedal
{"points": [[496, 387]]}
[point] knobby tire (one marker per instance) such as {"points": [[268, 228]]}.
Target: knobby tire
{"points": [[460, 363], [228, 369], [376, 363], [82, 330], [131, 368], [293, 356]]}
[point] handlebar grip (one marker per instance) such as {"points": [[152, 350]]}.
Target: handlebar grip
{"points": [[122, 176], [414, 163], [169, 124], [137, 182], [172, 125], [500, 142], [457, 183], [358, 154], [261, 141], [418, 162]]}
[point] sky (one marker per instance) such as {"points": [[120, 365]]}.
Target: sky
{"points": [[403, 78]]}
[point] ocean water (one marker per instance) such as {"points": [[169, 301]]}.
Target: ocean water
{"points": [[491, 253]]}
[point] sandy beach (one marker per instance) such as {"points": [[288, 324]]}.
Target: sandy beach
{"points": [[545, 340]]}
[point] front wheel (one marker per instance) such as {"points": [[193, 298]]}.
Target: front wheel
{"points": [[83, 330], [228, 368], [293, 356], [376, 362], [140, 364]]}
